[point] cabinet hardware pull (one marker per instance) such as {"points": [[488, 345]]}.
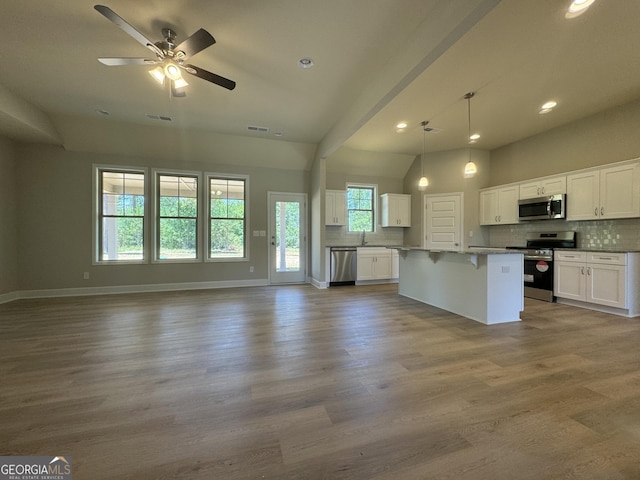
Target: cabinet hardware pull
{"points": [[588, 270], [605, 258], [581, 270], [596, 212], [601, 211]]}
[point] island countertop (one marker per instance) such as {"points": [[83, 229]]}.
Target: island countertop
{"points": [[468, 251]]}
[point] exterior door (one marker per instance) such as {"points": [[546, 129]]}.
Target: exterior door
{"points": [[443, 220], [287, 237]]}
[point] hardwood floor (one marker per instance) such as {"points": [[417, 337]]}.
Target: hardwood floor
{"points": [[299, 383]]}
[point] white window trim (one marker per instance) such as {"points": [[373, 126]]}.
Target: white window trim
{"points": [[95, 214], [205, 222], [375, 204], [155, 173]]}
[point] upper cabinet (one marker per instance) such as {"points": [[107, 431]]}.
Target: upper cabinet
{"points": [[612, 192], [396, 210], [499, 205], [335, 207], [543, 187]]}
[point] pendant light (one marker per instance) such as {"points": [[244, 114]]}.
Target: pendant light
{"points": [[470, 168], [423, 183]]}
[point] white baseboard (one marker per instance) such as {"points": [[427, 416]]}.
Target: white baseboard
{"points": [[318, 284], [120, 289]]}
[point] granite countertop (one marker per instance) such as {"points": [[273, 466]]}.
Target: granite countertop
{"points": [[468, 251], [596, 250]]}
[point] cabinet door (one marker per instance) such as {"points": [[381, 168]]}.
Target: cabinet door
{"points": [[508, 205], [396, 210], [365, 266], [382, 265], [620, 192], [395, 264], [404, 210], [570, 280], [335, 207], [553, 186], [489, 207], [583, 196], [606, 285], [530, 190]]}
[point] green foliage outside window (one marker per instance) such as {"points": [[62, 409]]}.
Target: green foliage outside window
{"points": [[227, 218], [360, 209]]}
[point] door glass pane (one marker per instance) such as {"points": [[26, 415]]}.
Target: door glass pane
{"points": [[287, 236]]}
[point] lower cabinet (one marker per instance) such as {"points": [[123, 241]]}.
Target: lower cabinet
{"points": [[597, 279], [374, 263]]}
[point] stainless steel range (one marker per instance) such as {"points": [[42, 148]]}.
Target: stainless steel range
{"points": [[538, 262]]}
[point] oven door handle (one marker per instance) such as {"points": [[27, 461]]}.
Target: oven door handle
{"points": [[539, 257]]}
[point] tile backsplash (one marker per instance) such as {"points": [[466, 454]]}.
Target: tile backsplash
{"points": [[621, 234], [338, 237]]}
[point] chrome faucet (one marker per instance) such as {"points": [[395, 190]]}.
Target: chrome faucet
{"points": [[363, 242]]}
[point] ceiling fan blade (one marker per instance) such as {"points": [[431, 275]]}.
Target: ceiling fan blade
{"points": [[196, 43], [117, 61], [122, 23], [210, 77]]}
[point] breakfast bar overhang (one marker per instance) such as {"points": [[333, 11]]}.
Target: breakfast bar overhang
{"points": [[486, 285]]}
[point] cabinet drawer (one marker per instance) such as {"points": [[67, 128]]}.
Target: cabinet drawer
{"points": [[607, 258], [570, 256]]}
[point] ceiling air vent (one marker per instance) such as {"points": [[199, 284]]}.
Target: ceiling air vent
{"points": [[254, 128], [159, 117]]}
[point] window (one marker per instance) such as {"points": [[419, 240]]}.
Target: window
{"points": [[177, 217], [227, 217], [121, 214], [360, 208]]}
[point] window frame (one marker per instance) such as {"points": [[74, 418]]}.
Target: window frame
{"points": [[97, 214], [155, 207], [207, 218], [374, 206]]}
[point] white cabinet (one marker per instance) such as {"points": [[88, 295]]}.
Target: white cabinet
{"points": [[543, 187], [395, 264], [612, 192], [396, 210], [499, 205], [335, 207], [592, 277], [374, 263]]}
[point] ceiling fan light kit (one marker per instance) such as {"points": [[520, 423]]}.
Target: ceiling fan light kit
{"points": [[170, 57]]}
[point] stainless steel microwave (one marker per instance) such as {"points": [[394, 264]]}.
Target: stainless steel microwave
{"points": [[542, 208]]}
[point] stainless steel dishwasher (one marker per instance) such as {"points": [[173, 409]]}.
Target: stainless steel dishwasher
{"points": [[344, 266]]}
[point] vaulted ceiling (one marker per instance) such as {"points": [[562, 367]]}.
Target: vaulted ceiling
{"points": [[377, 62]]}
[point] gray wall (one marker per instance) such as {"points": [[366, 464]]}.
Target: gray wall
{"points": [[445, 171], [607, 137], [54, 205], [8, 218]]}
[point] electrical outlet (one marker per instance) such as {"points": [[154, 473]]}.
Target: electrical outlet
{"points": [[86, 275], [251, 269], [505, 269]]}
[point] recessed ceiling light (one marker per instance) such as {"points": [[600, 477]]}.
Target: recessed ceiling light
{"points": [[402, 125], [474, 137], [577, 8], [547, 107], [305, 62]]}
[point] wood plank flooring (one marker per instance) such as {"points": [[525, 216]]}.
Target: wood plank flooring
{"points": [[298, 383]]}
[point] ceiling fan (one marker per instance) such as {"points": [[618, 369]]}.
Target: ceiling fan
{"points": [[170, 58]]}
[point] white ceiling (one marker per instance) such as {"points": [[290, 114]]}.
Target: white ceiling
{"points": [[377, 62]]}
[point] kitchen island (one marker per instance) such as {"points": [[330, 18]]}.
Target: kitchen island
{"points": [[486, 285]]}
